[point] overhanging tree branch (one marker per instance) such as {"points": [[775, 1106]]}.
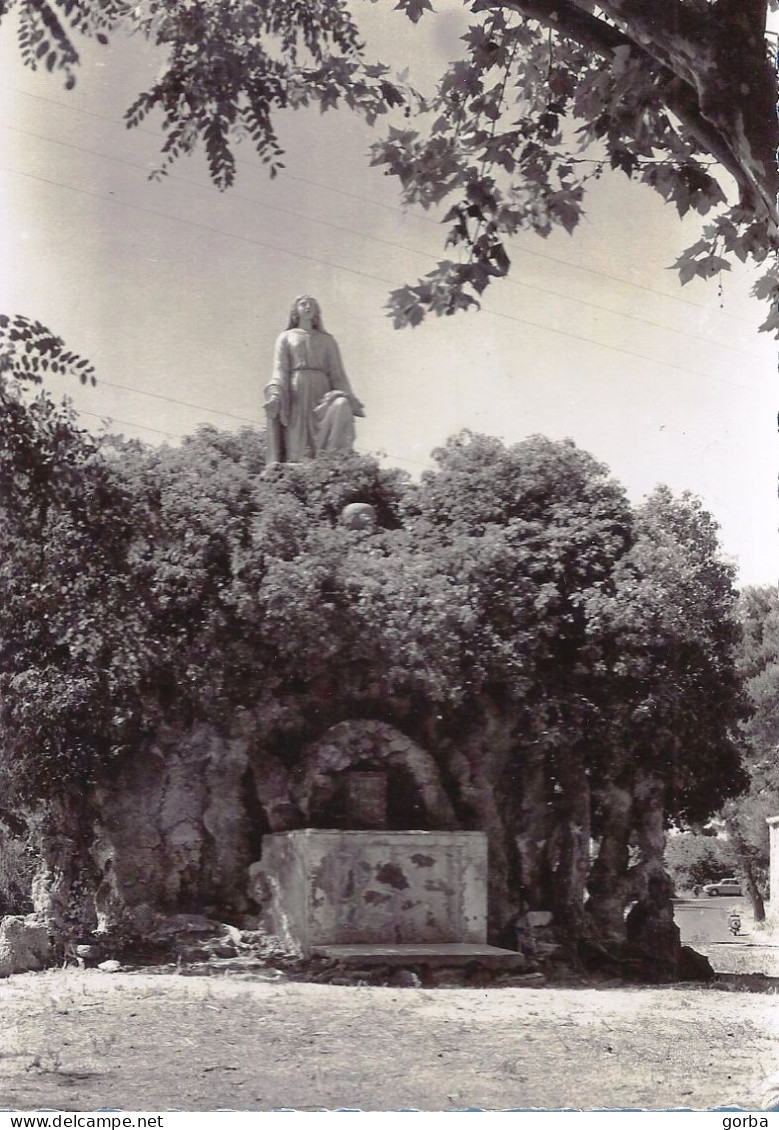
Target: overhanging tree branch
{"points": [[569, 20], [654, 85], [699, 55]]}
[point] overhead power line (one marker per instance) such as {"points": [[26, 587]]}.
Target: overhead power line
{"points": [[405, 212], [174, 400], [107, 419], [196, 224], [371, 277], [178, 435], [514, 283]]}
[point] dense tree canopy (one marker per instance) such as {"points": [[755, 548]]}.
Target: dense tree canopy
{"points": [[694, 858], [759, 661], [672, 614], [566, 659], [546, 96], [745, 815]]}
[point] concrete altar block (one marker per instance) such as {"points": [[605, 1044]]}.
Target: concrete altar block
{"points": [[332, 887]]}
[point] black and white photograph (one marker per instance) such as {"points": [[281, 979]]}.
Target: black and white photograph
{"points": [[389, 621]]}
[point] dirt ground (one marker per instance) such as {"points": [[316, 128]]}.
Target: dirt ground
{"points": [[80, 1040]]}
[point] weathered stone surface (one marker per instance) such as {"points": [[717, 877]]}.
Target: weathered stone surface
{"points": [[370, 745], [484, 767], [366, 799], [406, 979], [694, 966], [274, 792], [168, 926], [536, 918], [339, 887], [449, 955], [24, 945], [63, 883], [174, 830], [180, 825], [359, 516], [259, 886]]}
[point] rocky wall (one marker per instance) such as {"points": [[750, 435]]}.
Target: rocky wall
{"points": [[177, 829], [173, 831]]}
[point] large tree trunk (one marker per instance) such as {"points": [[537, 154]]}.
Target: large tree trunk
{"points": [[713, 73], [758, 905], [64, 883], [573, 820], [649, 807], [485, 767], [652, 934], [607, 882], [534, 827]]}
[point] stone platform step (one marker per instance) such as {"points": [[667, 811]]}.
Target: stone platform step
{"points": [[433, 954]]}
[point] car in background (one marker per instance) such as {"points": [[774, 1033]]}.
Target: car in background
{"points": [[723, 887]]}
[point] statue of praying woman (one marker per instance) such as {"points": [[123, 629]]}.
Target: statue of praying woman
{"points": [[309, 403]]}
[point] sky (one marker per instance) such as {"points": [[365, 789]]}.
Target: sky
{"points": [[176, 292]]}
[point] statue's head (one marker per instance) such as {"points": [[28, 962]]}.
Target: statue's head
{"points": [[305, 302], [359, 516]]}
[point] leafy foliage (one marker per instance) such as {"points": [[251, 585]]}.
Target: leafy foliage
{"points": [[229, 66], [29, 350], [746, 814], [548, 95], [18, 853], [693, 859], [41, 447], [512, 598], [70, 641], [548, 98], [672, 610], [759, 661]]}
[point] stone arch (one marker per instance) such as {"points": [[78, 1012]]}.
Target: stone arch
{"points": [[369, 744]]}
